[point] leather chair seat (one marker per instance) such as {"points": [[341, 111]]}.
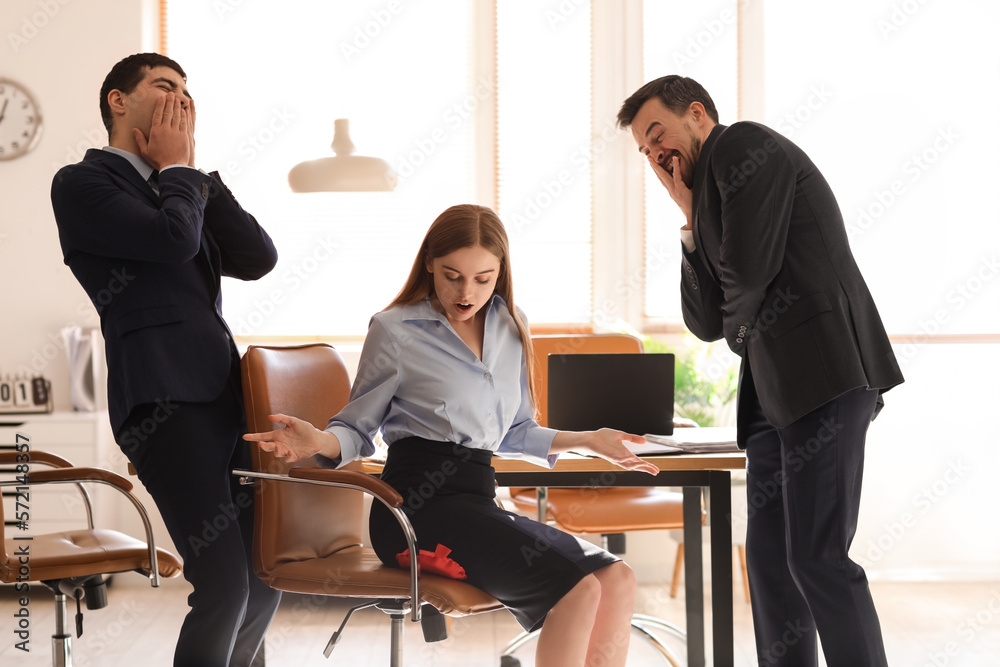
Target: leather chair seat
{"points": [[78, 553], [357, 572]]}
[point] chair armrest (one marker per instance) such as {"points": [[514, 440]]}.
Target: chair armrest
{"points": [[79, 475], [51, 460], [372, 485], [9, 457]]}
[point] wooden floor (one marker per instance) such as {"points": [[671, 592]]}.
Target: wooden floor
{"points": [[925, 625]]}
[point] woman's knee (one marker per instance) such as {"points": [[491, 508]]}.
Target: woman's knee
{"points": [[617, 580], [587, 592]]}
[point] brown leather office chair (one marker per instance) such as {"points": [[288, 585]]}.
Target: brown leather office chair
{"points": [[74, 562], [309, 520], [614, 511]]}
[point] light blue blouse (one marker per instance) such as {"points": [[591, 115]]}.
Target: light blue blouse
{"points": [[416, 377]]}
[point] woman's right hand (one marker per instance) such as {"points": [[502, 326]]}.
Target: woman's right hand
{"points": [[297, 440]]}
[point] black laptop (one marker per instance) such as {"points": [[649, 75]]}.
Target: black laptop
{"points": [[629, 392]]}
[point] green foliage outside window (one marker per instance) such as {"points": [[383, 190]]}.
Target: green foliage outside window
{"points": [[704, 384]]}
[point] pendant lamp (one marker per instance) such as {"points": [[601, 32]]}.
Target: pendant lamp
{"points": [[344, 172]]}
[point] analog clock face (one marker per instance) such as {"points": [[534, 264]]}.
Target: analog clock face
{"points": [[20, 120]]}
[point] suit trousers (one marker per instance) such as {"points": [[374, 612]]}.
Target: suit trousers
{"points": [[183, 454], [803, 497]]}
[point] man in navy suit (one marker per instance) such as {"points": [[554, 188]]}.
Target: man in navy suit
{"points": [[149, 238], [767, 266]]}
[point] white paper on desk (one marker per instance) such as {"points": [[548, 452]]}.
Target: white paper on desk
{"points": [[697, 440], [650, 448]]}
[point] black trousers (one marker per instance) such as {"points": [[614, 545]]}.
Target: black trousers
{"points": [[183, 454], [803, 496]]}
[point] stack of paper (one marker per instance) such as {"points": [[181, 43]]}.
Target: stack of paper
{"points": [[709, 440]]}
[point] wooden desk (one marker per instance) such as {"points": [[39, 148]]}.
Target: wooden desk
{"points": [[693, 472]]}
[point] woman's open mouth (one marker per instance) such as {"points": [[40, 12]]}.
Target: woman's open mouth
{"points": [[463, 307]]}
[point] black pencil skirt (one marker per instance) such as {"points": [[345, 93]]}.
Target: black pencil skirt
{"points": [[449, 495]]}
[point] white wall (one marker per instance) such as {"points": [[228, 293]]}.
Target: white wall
{"points": [[931, 468]]}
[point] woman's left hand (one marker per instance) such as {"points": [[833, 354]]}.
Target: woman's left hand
{"points": [[609, 445]]}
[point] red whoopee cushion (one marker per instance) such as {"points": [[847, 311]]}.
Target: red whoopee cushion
{"points": [[436, 562]]}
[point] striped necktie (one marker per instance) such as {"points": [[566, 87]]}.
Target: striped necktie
{"points": [[154, 182]]}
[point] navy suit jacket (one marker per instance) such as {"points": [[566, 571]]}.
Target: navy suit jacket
{"points": [[152, 267], [772, 272]]}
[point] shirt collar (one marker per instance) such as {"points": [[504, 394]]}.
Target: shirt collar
{"points": [[140, 165]]}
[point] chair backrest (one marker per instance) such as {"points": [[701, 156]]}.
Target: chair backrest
{"points": [[309, 382], [544, 345]]}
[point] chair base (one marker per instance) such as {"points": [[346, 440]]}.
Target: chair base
{"points": [[62, 651], [93, 590], [62, 643], [641, 624], [432, 622]]}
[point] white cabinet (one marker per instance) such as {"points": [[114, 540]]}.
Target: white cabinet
{"points": [[83, 439]]}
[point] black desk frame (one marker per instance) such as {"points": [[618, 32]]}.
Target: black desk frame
{"points": [[717, 483]]}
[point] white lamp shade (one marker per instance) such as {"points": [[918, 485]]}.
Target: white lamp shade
{"points": [[344, 172]]}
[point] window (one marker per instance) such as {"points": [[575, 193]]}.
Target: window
{"points": [[411, 80], [506, 103], [901, 132], [544, 175], [698, 40], [268, 81]]}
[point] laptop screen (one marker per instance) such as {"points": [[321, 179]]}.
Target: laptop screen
{"points": [[628, 392]]}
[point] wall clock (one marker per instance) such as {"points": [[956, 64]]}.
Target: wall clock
{"points": [[20, 120]]}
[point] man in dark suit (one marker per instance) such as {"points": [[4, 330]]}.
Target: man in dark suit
{"points": [[767, 266], [149, 237]]}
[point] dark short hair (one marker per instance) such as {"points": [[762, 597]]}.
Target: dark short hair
{"points": [[127, 74], [676, 92]]}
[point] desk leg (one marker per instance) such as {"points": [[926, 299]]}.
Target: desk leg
{"points": [[694, 594], [721, 539]]}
